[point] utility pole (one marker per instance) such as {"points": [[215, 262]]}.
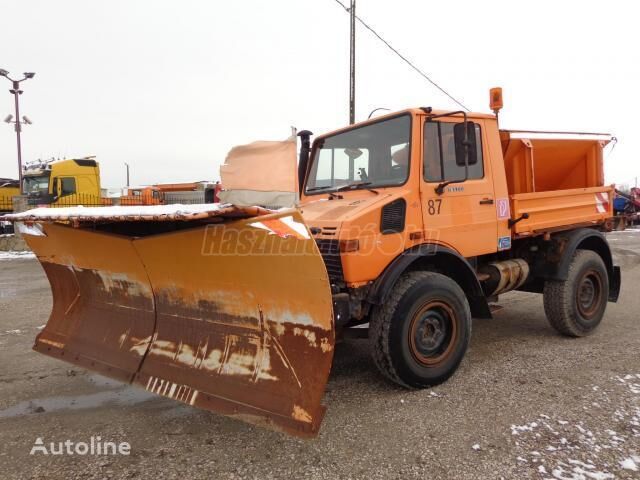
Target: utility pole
{"points": [[352, 65], [127, 173], [18, 123]]}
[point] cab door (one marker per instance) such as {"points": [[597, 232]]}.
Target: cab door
{"points": [[464, 215], [66, 191]]}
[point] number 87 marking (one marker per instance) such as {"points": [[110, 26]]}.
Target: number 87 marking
{"points": [[434, 206]]}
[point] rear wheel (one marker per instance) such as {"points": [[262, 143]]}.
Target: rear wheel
{"points": [[421, 333], [575, 306]]}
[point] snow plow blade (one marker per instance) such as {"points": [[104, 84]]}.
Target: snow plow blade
{"points": [[228, 311]]}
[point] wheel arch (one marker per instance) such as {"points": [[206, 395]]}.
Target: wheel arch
{"points": [[565, 246], [433, 257]]}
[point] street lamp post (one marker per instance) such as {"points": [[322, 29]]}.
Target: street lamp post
{"points": [[18, 123], [352, 63]]}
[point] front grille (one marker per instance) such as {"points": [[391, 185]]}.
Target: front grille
{"points": [[330, 251]]}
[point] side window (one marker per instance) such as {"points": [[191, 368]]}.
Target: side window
{"points": [[443, 158], [68, 185]]}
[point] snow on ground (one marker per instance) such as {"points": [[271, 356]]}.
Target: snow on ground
{"points": [[550, 447], [630, 463], [634, 229], [16, 255]]}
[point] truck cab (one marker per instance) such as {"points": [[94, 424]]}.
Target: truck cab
{"points": [[63, 182], [383, 176]]}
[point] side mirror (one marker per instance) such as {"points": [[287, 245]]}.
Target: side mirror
{"points": [[466, 154]]}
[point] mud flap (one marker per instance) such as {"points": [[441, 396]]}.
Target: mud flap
{"points": [[233, 317]]}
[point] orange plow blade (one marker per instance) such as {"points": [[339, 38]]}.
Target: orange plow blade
{"points": [[233, 316]]}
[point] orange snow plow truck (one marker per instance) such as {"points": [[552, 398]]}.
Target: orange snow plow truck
{"points": [[410, 223]]}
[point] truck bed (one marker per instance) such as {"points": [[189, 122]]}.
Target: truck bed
{"points": [[557, 178], [561, 209]]}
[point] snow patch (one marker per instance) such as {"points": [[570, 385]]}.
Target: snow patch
{"points": [[582, 449], [16, 255], [629, 464], [100, 212]]}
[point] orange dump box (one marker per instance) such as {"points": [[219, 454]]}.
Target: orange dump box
{"points": [[555, 180]]}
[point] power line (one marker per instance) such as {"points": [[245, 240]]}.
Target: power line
{"points": [[420, 72]]}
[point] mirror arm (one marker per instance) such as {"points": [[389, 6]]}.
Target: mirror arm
{"points": [[441, 186]]}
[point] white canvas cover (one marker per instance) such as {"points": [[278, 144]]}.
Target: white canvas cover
{"points": [[261, 173]]}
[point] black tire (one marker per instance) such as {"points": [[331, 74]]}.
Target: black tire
{"points": [[421, 333], [575, 306]]}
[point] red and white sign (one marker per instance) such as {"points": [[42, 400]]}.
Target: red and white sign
{"points": [[502, 206], [602, 202]]}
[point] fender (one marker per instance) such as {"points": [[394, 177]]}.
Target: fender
{"points": [[556, 264], [446, 261]]}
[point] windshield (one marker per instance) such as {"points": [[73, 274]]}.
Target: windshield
{"points": [[375, 155], [36, 184]]}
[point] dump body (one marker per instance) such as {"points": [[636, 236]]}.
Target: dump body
{"points": [[559, 209], [557, 179]]}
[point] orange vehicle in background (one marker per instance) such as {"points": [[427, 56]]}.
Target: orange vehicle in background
{"points": [[189, 192], [142, 196], [410, 223]]}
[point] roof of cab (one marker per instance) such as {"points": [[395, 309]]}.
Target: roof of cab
{"points": [[412, 111]]}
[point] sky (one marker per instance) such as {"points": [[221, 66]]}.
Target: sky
{"points": [[170, 86]]}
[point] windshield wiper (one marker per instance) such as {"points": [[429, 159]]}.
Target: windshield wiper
{"points": [[356, 185], [348, 186]]}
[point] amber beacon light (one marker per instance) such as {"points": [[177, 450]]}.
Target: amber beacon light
{"points": [[495, 99]]}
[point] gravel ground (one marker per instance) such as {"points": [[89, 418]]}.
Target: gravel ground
{"points": [[526, 403]]}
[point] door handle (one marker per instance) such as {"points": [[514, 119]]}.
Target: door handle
{"points": [[486, 201]]}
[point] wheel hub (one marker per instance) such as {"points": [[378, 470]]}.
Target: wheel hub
{"points": [[588, 293], [432, 333]]}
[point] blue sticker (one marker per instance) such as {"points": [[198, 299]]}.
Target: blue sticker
{"points": [[504, 243]]}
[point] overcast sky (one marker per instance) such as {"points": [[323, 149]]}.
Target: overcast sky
{"points": [[171, 86]]}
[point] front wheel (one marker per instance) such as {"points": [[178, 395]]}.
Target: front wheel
{"points": [[421, 333], [575, 306]]}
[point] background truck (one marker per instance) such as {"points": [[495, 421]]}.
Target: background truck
{"points": [[626, 206], [63, 182], [141, 196], [9, 188], [72, 182], [411, 223], [190, 192]]}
